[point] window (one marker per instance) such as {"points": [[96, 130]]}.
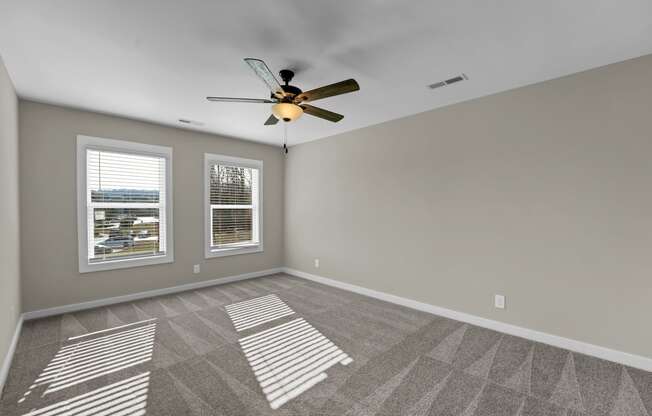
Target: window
{"points": [[124, 197], [233, 201]]}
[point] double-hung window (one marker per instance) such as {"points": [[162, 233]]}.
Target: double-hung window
{"points": [[124, 204], [233, 205]]}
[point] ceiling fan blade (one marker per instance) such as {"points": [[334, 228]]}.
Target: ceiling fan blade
{"points": [[240, 100], [271, 120], [331, 90], [263, 72], [321, 113]]}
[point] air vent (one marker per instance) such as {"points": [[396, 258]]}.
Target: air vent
{"points": [[191, 122], [449, 81]]}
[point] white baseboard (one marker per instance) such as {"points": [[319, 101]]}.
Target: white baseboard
{"points": [[58, 310], [6, 364], [637, 361], [621, 357]]}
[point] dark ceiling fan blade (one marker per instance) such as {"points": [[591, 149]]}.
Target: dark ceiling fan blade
{"points": [[331, 90], [240, 100], [263, 72], [321, 113], [271, 120]]}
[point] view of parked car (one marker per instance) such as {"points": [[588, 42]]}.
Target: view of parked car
{"points": [[124, 241], [120, 232]]}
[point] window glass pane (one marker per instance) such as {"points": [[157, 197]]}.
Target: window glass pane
{"points": [[230, 185], [232, 226], [125, 232]]}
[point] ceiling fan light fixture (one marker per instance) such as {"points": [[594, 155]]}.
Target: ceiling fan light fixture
{"points": [[287, 111]]}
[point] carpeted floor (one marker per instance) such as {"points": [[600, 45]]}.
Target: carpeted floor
{"points": [[284, 346]]}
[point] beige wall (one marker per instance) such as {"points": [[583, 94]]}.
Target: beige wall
{"points": [[541, 194], [48, 200], [10, 242]]}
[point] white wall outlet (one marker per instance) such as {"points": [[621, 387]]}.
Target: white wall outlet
{"points": [[499, 301], [196, 268], [316, 263]]}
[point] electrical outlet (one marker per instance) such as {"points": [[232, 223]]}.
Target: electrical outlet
{"points": [[499, 301], [316, 263], [196, 268]]}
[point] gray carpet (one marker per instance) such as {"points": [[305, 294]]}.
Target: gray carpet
{"points": [[284, 346]]}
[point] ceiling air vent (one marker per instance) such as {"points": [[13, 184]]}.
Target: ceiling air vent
{"points": [[192, 122], [449, 81]]}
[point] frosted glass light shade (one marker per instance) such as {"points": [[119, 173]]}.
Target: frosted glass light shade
{"points": [[287, 111]]}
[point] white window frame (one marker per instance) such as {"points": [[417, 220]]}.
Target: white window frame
{"points": [[212, 251], [111, 145]]}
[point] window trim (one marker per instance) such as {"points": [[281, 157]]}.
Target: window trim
{"points": [[210, 158], [122, 146]]}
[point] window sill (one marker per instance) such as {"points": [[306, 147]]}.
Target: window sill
{"points": [[85, 267], [233, 251]]}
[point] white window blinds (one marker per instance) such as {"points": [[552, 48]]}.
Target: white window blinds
{"points": [[233, 205], [125, 205]]}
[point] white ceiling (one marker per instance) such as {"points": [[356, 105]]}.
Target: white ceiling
{"points": [[157, 60]]}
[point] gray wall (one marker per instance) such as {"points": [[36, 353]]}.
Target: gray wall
{"points": [[48, 199], [10, 242], [541, 194]]}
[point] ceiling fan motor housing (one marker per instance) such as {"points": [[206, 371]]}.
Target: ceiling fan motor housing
{"points": [[290, 90]]}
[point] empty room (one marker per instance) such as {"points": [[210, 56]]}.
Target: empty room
{"points": [[296, 208]]}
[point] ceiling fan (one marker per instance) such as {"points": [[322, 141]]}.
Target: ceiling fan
{"points": [[288, 101]]}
